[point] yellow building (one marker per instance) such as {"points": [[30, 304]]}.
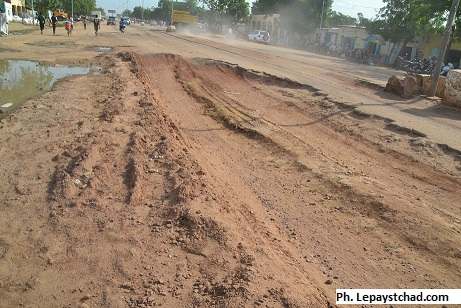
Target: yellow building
{"points": [[431, 47], [19, 7]]}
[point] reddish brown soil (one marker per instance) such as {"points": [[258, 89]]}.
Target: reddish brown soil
{"points": [[193, 183]]}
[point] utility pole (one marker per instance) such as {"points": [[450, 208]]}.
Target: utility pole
{"points": [[33, 13], [142, 10], [321, 16], [172, 8], [444, 47], [72, 4]]}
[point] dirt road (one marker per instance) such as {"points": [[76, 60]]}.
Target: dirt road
{"points": [[174, 177]]}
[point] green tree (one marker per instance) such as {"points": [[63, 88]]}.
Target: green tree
{"points": [[42, 6], [231, 10], [237, 10], [163, 10], [403, 20], [81, 7], [103, 12], [127, 13], [337, 19], [137, 12]]}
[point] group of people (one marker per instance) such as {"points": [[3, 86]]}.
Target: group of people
{"points": [[68, 25]]}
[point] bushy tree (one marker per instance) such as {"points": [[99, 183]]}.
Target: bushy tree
{"points": [[337, 19], [103, 12], [127, 13], [42, 6], [232, 10], [81, 7], [403, 20]]}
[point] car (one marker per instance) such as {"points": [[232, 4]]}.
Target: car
{"points": [[111, 21], [259, 36], [171, 28]]}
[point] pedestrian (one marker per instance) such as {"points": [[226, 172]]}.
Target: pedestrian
{"points": [[69, 26], [96, 24], [41, 22], [54, 22], [84, 23]]}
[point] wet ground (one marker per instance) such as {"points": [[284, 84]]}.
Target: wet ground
{"points": [[21, 80]]}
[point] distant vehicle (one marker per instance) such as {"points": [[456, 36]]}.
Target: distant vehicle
{"points": [[260, 36], [171, 28], [111, 21], [96, 15], [60, 14], [182, 16], [111, 14], [126, 19]]}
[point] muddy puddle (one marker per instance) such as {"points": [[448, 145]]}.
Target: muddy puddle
{"points": [[103, 49], [21, 80]]}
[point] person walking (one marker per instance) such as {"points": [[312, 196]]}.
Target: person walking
{"points": [[41, 22], [69, 26], [84, 23], [96, 24], [54, 22]]}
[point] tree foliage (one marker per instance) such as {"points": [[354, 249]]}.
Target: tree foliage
{"points": [[103, 12], [233, 10], [127, 13], [337, 19], [404, 20], [81, 7]]}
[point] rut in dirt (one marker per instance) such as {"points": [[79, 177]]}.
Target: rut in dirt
{"points": [[136, 175], [344, 198], [198, 183]]}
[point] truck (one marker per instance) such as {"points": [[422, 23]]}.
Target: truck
{"points": [[181, 16], [96, 15], [111, 15], [60, 14]]}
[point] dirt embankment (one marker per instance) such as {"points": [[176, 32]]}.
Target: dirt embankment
{"points": [[165, 181]]}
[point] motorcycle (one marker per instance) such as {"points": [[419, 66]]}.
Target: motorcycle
{"points": [[417, 66], [122, 27]]}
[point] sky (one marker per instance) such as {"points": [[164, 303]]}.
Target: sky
{"points": [[369, 8]]}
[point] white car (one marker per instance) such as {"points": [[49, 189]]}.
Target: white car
{"points": [[260, 36]]}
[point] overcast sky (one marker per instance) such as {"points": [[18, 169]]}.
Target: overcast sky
{"points": [[350, 7]]}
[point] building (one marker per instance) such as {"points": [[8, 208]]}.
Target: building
{"points": [[18, 7], [343, 38], [430, 47]]}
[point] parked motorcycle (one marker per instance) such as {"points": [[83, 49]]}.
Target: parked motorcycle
{"points": [[417, 66]]}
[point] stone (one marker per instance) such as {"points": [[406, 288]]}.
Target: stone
{"points": [[452, 91], [410, 87], [405, 87], [427, 84]]}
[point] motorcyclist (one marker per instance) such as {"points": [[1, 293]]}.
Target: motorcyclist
{"points": [[123, 24], [446, 69]]}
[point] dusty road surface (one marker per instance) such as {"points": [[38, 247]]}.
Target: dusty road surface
{"points": [[183, 172]]}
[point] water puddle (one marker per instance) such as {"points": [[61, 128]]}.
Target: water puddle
{"points": [[103, 49], [21, 80]]}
